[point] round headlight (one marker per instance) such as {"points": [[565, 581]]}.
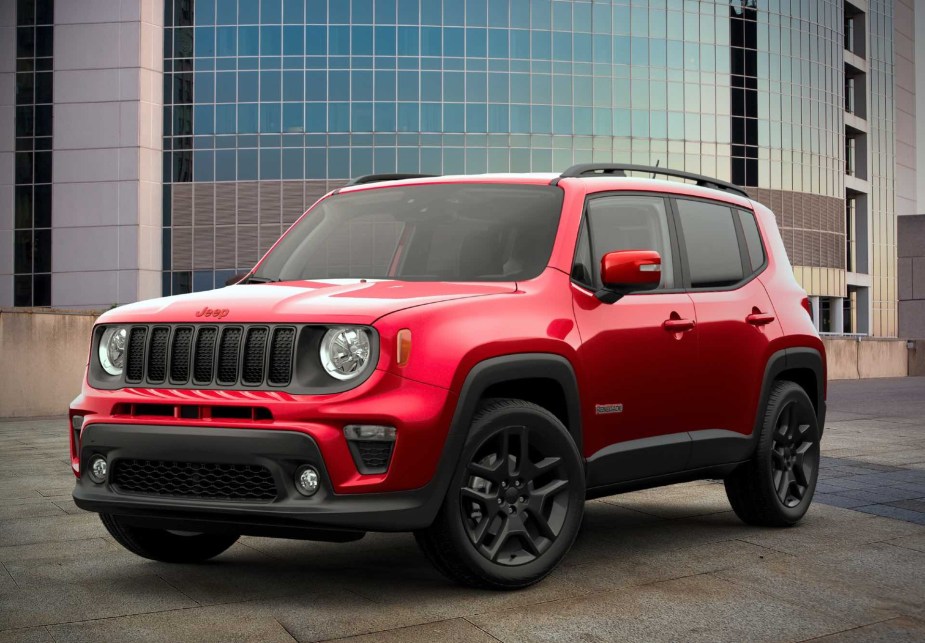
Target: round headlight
{"points": [[345, 352], [112, 349]]}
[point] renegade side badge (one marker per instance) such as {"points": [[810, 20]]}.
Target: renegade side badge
{"points": [[604, 409]]}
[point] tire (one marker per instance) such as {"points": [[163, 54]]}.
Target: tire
{"points": [[167, 546], [775, 488], [515, 502]]}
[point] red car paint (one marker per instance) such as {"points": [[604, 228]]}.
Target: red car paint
{"points": [[681, 361]]}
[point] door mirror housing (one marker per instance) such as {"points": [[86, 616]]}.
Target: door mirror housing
{"points": [[627, 271]]}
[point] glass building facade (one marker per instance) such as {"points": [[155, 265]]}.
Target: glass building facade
{"points": [[269, 104], [33, 154]]}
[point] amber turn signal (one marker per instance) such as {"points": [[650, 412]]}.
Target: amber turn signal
{"points": [[403, 348]]}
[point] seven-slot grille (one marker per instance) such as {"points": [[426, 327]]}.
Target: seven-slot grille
{"points": [[210, 355]]}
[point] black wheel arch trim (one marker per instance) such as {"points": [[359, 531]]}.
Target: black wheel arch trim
{"points": [[497, 370], [521, 366], [787, 359]]}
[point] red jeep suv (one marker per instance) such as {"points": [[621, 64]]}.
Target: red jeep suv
{"points": [[465, 357]]}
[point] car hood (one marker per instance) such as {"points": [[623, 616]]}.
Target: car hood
{"points": [[348, 301]]}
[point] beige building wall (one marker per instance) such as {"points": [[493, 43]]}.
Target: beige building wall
{"points": [[107, 164]]}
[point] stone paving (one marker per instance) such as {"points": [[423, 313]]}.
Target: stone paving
{"points": [[669, 564]]}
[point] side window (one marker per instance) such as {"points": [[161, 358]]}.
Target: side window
{"points": [[752, 239], [711, 244], [629, 223]]}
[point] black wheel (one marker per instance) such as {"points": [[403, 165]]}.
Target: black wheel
{"points": [[776, 487], [167, 546], [515, 503]]}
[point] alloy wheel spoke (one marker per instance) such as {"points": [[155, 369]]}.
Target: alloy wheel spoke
{"points": [[505, 448], [529, 543], [778, 459], [522, 459], [477, 495], [549, 490], [503, 534], [543, 466], [783, 487], [493, 473], [799, 465], [791, 422], [478, 533], [542, 524], [780, 434]]}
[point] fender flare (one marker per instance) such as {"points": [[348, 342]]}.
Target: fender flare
{"points": [[784, 360], [508, 368], [497, 370]]}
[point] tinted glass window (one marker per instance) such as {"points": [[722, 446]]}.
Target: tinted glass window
{"points": [[711, 243], [452, 232], [752, 239], [630, 223]]}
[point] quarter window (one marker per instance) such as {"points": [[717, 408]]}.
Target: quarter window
{"points": [[630, 223], [711, 243], [752, 239]]}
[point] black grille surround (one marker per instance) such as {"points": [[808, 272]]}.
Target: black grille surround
{"points": [[206, 480], [209, 355], [221, 355]]}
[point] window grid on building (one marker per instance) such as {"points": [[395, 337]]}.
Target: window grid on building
{"points": [[32, 156]]}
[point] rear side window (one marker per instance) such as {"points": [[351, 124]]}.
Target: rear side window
{"points": [[752, 239], [711, 243]]}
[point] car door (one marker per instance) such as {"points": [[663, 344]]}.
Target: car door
{"points": [[723, 255], [638, 354]]}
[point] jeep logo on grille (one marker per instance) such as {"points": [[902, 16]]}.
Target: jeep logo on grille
{"points": [[218, 313]]}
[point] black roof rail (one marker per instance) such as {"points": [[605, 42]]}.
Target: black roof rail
{"points": [[375, 178], [620, 169]]}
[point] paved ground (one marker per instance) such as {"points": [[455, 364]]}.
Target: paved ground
{"points": [[669, 564]]}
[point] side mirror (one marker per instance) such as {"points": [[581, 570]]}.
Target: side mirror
{"points": [[627, 271]]}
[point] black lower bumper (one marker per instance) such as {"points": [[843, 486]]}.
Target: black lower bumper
{"points": [[323, 516]]}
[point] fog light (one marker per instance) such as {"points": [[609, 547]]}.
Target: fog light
{"points": [[98, 469], [307, 480], [369, 432]]}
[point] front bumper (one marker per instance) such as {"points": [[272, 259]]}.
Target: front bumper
{"points": [[325, 515]]}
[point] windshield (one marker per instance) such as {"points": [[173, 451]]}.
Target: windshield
{"points": [[447, 232]]}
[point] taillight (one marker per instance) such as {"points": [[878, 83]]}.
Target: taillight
{"points": [[807, 307]]}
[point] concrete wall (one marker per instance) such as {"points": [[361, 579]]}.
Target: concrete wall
{"points": [[851, 359], [44, 354]]}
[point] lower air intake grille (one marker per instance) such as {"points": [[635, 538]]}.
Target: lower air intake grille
{"points": [[371, 456], [207, 480]]}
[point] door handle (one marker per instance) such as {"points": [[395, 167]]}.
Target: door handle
{"points": [[759, 318], [675, 325]]}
